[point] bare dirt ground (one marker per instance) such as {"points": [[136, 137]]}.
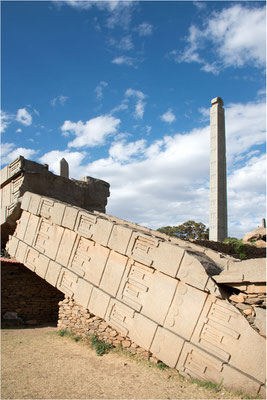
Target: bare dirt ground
{"points": [[39, 364]]}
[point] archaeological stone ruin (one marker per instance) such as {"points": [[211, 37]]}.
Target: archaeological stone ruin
{"points": [[194, 309]]}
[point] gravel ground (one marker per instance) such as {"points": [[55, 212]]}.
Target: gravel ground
{"points": [[39, 364]]}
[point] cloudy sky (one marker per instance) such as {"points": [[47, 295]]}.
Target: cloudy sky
{"points": [[122, 91]]}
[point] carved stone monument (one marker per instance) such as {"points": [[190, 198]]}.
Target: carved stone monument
{"points": [[64, 168], [218, 187]]}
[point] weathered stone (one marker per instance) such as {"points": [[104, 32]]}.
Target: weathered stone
{"points": [[258, 233], [240, 298], [126, 343], [260, 320]]}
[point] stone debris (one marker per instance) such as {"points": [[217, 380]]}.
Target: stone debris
{"points": [[257, 237]]}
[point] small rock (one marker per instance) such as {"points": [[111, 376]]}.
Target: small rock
{"points": [[239, 298], [113, 333], [253, 301], [248, 311], [242, 306], [126, 344]]}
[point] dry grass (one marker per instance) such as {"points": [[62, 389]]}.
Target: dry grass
{"points": [[39, 364]]}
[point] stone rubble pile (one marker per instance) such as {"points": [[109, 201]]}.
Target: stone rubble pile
{"points": [[257, 237], [75, 318], [253, 307]]}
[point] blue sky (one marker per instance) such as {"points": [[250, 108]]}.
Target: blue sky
{"points": [[122, 91]]}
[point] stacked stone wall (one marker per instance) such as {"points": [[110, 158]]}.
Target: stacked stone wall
{"points": [[75, 318], [27, 294]]}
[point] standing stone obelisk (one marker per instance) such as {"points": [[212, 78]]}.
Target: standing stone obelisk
{"points": [[218, 186]]}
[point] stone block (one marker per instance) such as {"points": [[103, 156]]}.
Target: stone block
{"points": [[88, 260], [31, 229], [119, 238], [22, 224], [235, 380], [11, 246], [85, 224], [46, 207], [185, 310], [113, 273], [151, 251], [3, 175], [159, 297], [141, 247], [135, 285], [192, 272], [102, 231], [52, 273], [119, 316], [69, 217], [67, 282], [142, 331], [167, 258], [196, 363], [21, 251], [66, 247], [57, 213], [253, 271], [6, 195], [224, 332], [48, 238], [31, 202], [98, 303], [83, 292], [41, 265], [31, 258], [167, 346], [260, 320]]}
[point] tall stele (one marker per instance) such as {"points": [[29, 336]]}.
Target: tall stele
{"points": [[218, 185]]}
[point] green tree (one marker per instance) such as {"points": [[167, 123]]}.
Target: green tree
{"points": [[188, 230]]}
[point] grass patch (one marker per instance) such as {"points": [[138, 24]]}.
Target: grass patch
{"points": [[101, 346], [239, 247], [161, 365], [70, 334], [216, 387]]}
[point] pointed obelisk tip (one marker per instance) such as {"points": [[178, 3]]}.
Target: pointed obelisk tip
{"points": [[64, 168], [217, 100]]}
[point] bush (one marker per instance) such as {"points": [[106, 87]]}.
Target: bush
{"points": [[101, 347]]}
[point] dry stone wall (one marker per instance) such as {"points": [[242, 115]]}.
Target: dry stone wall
{"points": [[75, 318], [160, 293]]}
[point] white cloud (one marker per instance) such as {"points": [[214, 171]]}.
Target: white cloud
{"points": [[119, 12], [6, 119], [74, 159], [123, 151], [10, 153], [19, 130], [168, 116], [24, 117], [166, 182], [61, 100], [91, 133], [124, 43], [144, 29], [236, 36], [99, 89], [125, 60], [140, 104]]}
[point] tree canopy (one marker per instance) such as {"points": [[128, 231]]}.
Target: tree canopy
{"points": [[188, 230]]}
